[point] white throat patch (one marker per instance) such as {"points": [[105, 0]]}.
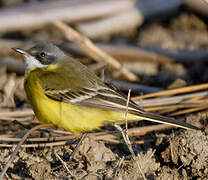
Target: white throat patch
{"points": [[32, 63]]}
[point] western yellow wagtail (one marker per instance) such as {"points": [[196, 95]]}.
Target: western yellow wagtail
{"points": [[66, 93]]}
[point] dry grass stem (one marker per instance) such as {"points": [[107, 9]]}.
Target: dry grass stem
{"points": [[190, 110], [174, 91], [93, 51], [127, 142], [119, 166], [26, 112], [162, 101], [18, 147], [78, 145], [126, 137], [132, 53], [65, 166], [112, 25], [48, 11], [126, 112], [36, 145], [105, 136]]}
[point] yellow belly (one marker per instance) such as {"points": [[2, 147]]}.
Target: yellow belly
{"points": [[73, 118]]}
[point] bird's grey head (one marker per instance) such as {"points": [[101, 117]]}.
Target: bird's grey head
{"points": [[41, 55]]}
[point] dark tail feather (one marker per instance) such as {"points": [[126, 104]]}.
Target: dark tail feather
{"points": [[166, 120]]}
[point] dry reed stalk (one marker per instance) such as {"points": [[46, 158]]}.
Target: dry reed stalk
{"points": [[92, 50]]}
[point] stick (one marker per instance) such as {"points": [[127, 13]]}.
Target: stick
{"points": [[112, 25], [13, 65], [65, 165], [93, 51], [130, 19], [184, 56], [59, 143], [78, 145], [18, 147], [23, 113], [122, 52], [35, 15], [126, 52], [127, 141], [23, 119], [174, 91], [200, 6], [6, 47], [164, 101], [186, 111], [118, 167], [126, 137], [133, 53], [138, 131], [126, 112]]}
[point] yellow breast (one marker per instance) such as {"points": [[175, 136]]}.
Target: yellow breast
{"points": [[73, 118]]}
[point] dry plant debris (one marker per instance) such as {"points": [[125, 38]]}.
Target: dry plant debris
{"points": [[179, 55]]}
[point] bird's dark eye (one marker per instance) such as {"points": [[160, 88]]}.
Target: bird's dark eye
{"points": [[42, 54]]}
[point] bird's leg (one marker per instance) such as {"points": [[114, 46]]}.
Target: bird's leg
{"points": [[22, 125]]}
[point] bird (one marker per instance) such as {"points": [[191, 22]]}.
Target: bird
{"points": [[63, 91]]}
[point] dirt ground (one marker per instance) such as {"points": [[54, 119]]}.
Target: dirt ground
{"points": [[169, 154], [179, 154]]}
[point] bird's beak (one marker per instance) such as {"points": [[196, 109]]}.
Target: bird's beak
{"points": [[21, 51]]}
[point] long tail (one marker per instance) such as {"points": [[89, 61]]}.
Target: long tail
{"points": [[165, 120]]}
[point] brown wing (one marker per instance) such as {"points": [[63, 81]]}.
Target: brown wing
{"points": [[104, 97], [88, 90]]}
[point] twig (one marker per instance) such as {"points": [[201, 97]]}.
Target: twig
{"points": [[126, 140], [104, 136], [164, 101], [18, 147], [13, 65], [23, 113], [186, 111], [93, 51], [126, 137], [59, 143], [85, 177], [133, 53], [174, 91], [6, 45], [23, 119], [65, 165], [119, 166], [138, 131], [126, 112], [78, 145], [184, 56], [62, 132], [126, 52], [128, 20], [112, 25], [200, 6], [177, 106], [172, 150], [35, 15], [6, 175]]}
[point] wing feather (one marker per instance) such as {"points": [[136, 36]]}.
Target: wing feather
{"points": [[92, 92]]}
